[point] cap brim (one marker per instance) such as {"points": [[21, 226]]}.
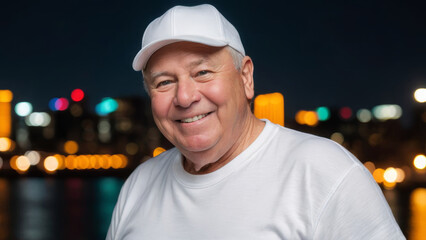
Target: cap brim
{"points": [[145, 53]]}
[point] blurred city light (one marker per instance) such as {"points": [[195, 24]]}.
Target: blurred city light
{"points": [[309, 118], [51, 163], [33, 157], [420, 95], [345, 113], [6, 97], [337, 137], [323, 113], [77, 95], [390, 175], [38, 119], [400, 175], [61, 104], [158, 151], [363, 115], [23, 109], [1, 162], [5, 144], [370, 166], [23, 163], [420, 162], [71, 147], [107, 106], [378, 175], [270, 106], [387, 112], [58, 104]]}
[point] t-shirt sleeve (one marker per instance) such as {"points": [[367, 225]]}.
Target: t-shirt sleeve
{"points": [[356, 209]]}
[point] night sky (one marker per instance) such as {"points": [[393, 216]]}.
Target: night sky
{"points": [[348, 53]]}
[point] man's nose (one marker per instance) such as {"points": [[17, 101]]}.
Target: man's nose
{"points": [[186, 93]]}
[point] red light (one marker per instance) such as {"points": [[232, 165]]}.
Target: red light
{"points": [[77, 95], [61, 104], [345, 113]]}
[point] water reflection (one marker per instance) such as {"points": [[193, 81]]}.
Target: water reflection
{"points": [[418, 214], [4, 213], [44, 209]]}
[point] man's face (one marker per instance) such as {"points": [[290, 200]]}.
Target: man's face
{"points": [[198, 98]]}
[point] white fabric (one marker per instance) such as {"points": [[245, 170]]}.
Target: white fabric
{"points": [[285, 185], [200, 24]]}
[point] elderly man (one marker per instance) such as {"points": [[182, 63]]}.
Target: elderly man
{"points": [[231, 175]]}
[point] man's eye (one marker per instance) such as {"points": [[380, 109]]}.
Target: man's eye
{"points": [[164, 83], [201, 73]]}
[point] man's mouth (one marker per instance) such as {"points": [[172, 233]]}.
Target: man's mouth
{"points": [[193, 119]]}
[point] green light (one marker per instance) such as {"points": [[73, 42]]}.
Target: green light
{"points": [[323, 113], [108, 105]]}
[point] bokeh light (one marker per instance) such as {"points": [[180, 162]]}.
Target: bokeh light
{"points": [[23, 109], [38, 119], [370, 166], [71, 147], [387, 112], [51, 163], [6, 96], [363, 115], [309, 118], [323, 113], [337, 137], [5, 144], [107, 106], [345, 113], [420, 95], [23, 163], [157, 151], [390, 175], [33, 157], [420, 161], [270, 106], [378, 175], [400, 175], [77, 95]]}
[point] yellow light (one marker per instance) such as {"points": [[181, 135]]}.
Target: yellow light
{"points": [[337, 137], [5, 144], [51, 164], [5, 119], [420, 161], [116, 161], [400, 175], [71, 147], [158, 151], [389, 185], [23, 163], [311, 118], [12, 162], [378, 175], [6, 96], [271, 107], [420, 95], [390, 175]]}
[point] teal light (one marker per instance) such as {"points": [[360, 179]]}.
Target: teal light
{"points": [[107, 106], [323, 113]]}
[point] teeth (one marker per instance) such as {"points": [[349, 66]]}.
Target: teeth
{"points": [[193, 119]]}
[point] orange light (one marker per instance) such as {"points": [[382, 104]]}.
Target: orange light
{"points": [[5, 144], [311, 118], [378, 175], [271, 107], [71, 147], [6, 96], [158, 151]]}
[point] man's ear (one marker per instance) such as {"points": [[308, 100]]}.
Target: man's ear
{"points": [[247, 69]]}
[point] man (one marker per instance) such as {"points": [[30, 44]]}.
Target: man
{"points": [[231, 175]]}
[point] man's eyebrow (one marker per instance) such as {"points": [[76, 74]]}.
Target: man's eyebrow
{"points": [[197, 62], [159, 74]]}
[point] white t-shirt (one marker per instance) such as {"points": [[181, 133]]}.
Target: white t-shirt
{"points": [[285, 185]]}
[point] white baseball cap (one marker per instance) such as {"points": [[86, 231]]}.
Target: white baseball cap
{"points": [[200, 24]]}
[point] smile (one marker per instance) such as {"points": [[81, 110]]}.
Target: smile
{"points": [[193, 119]]}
